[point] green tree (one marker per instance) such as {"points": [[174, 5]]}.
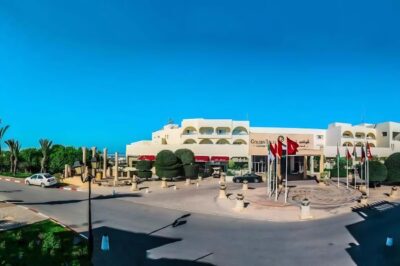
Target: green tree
{"points": [[45, 147], [167, 164], [14, 148], [3, 131], [187, 160], [392, 164], [31, 159], [342, 168], [144, 169], [377, 171]]}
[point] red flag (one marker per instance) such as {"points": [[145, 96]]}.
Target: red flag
{"points": [[348, 155], [292, 147], [272, 148], [279, 148], [369, 154], [362, 153]]}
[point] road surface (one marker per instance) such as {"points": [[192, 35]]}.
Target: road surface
{"points": [[143, 235]]}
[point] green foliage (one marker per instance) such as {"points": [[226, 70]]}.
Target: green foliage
{"points": [[342, 168], [145, 174], [144, 165], [167, 164], [30, 160], [392, 164], [191, 170], [231, 164], [186, 156], [377, 171], [43, 243]]}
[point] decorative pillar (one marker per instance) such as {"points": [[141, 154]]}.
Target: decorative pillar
{"points": [[311, 165], [116, 169], [239, 202], [245, 185], [105, 163], [222, 191], [305, 167], [321, 164], [305, 213], [93, 155], [84, 155], [164, 183], [134, 184]]}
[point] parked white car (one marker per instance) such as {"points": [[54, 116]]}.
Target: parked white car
{"points": [[42, 179]]}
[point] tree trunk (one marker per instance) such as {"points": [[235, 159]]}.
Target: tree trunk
{"points": [[15, 166], [42, 170], [11, 163]]}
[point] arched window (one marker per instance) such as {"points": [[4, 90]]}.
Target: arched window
{"points": [[347, 134], [347, 144], [206, 141], [189, 131], [189, 141], [222, 141], [239, 142], [240, 131]]}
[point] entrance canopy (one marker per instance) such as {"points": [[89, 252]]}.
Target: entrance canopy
{"points": [[201, 159], [147, 158], [219, 158]]}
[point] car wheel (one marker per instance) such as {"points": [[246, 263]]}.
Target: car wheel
{"points": [[256, 180], [42, 185], [237, 181], [27, 182]]}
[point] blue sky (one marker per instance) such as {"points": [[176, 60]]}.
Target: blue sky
{"points": [[107, 73]]}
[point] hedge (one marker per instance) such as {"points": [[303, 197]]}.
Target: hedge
{"points": [[191, 171], [167, 164], [392, 164], [145, 174], [186, 156], [144, 165], [377, 171], [342, 168]]}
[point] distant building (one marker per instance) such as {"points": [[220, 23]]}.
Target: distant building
{"points": [[216, 141]]}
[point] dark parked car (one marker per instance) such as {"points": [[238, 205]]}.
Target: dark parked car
{"points": [[251, 178]]}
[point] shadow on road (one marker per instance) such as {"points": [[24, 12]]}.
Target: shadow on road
{"points": [[130, 248], [381, 220], [71, 201]]}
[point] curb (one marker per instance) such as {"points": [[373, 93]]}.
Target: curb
{"points": [[23, 183], [53, 220]]}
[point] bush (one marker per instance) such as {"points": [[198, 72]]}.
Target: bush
{"points": [[342, 168], [144, 165], [186, 156], [377, 171], [167, 164], [393, 167], [191, 171], [145, 174]]}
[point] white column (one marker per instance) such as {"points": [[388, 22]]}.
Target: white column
{"points": [[312, 165], [104, 162], [116, 169]]}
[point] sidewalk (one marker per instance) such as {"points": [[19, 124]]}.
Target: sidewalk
{"points": [[13, 216]]}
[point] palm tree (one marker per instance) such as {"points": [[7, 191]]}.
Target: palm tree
{"points": [[45, 146], [2, 133], [11, 146], [17, 147]]}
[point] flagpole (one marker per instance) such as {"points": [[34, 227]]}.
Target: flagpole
{"points": [[286, 177], [347, 165], [276, 179], [338, 158]]}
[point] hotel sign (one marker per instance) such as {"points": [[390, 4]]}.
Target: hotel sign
{"points": [[258, 141]]}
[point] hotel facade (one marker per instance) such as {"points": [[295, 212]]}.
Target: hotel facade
{"points": [[216, 141]]}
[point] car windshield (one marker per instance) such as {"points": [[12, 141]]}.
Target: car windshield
{"points": [[48, 176]]}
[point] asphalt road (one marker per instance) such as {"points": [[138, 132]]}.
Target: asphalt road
{"points": [[142, 235]]}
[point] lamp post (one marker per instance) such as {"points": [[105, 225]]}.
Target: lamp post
{"points": [[86, 176]]}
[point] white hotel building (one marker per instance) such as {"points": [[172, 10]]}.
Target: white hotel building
{"points": [[220, 140]]}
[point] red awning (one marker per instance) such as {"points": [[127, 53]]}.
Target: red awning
{"points": [[147, 158], [219, 158], [201, 159]]}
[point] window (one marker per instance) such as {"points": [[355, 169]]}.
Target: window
{"points": [[384, 134], [34, 177], [40, 177], [320, 136]]}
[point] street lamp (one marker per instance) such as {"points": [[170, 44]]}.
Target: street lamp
{"points": [[87, 177]]}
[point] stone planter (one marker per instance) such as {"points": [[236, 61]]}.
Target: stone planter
{"points": [[187, 183], [363, 188], [134, 186], [245, 185], [164, 183], [394, 193], [364, 199], [305, 210], [222, 192], [222, 178], [239, 202]]}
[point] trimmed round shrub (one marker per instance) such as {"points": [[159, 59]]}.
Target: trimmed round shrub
{"points": [[167, 164], [191, 170], [392, 164], [186, 156], [144, 165], [145, 174], [377, 171]]}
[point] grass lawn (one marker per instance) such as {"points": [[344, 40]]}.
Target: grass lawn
{"points": [[42, 243], [17, 175]]}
